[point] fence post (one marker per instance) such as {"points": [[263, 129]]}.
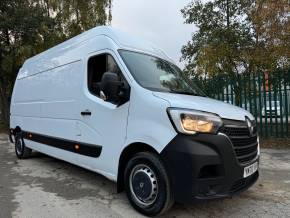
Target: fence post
{"points": [[245, 91], [240, 90], [250, 92], [227, 89], [222, 90], [275, 100], [270, 102], [255, 96], [265, 104], [260, 103], [286, 106], [281, 106]]}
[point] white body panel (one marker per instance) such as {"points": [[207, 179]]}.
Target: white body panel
{"points": [[224, 110], [51, 91]]}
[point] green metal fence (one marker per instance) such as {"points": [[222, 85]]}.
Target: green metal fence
{"points": [[265, 95]]}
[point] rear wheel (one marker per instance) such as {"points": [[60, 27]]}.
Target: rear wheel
{"points": [[147, 184], [20, 149]]}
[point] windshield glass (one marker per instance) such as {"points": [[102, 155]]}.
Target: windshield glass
{"points": [[157, 74]]}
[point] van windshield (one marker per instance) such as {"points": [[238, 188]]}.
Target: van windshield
{"points": [[157, 74]]}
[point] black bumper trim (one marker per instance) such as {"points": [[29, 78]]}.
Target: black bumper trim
{"points": [[81, 148]]}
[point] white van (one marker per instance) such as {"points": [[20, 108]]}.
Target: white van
{"points": [[120, 107]]}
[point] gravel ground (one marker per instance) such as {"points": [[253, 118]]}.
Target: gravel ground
{"points": [[46, 187]]}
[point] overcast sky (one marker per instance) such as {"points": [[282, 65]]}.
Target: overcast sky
{"points": [[159, 21]]}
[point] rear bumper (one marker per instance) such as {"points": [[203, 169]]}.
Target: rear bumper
{"points": [[205, 167]]}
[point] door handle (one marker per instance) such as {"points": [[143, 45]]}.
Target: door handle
{"points": [[86, 113]]}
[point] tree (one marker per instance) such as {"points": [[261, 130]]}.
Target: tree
{"points": [[237, 36], [76, 16], [28, 27], [220, 44], [19, 33], [270, 24]]}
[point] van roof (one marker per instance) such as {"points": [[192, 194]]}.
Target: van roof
{"points": [[121, 39]]}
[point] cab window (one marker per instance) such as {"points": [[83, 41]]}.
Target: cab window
{"points": [[97, 66]]}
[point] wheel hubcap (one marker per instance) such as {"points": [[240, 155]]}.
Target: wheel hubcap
{"points": [[143, 185]]}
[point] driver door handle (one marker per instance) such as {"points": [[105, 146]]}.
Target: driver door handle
{"points": [[86, 113]]}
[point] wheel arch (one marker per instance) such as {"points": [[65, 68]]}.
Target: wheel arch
{"points": [[126, 154]]}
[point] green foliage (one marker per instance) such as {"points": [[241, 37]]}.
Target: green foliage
{"points": [[75, 16], [28, 27], [237, 36]]}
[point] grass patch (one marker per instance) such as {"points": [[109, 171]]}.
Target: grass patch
{"points": [[277, 143]]}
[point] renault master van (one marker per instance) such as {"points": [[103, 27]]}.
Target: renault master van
{"points": [[120, 107]]}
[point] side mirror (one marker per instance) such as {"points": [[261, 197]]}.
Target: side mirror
{"points": [[124, 93], [110, 87]]}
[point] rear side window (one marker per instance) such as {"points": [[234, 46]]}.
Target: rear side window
{"points": [[97, 66]]}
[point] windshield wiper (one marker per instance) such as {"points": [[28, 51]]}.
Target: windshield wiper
{"points": [[184, 93]]}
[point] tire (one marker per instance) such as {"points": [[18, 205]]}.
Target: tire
{"points": [[21, 150], [147, 184]]}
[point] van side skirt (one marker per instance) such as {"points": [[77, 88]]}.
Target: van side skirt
{"points": [[81, 148]]}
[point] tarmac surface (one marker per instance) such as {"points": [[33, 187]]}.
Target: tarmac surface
{"points": [[42, 187]]}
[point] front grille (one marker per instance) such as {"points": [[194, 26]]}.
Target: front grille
{"points": [[234, 131], [245, 144]]}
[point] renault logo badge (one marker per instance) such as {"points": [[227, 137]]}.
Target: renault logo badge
{"points": [[250, 126]]}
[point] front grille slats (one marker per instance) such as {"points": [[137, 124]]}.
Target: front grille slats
{"points": [[247, 155], [247, 159], [242, 153], [248, 146], [240, 137], [244, 141], [233, 131], [245, 145]]}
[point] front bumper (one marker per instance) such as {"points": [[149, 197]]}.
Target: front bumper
{"points": [[205, 167]]}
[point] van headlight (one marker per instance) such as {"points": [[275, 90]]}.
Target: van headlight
{"points": [[191, 121]]}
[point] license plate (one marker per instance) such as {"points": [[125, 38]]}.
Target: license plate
{"points": [[249, 170]]}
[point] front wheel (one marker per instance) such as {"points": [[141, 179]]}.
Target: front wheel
{"points": [[147, 184], [20, 149]]}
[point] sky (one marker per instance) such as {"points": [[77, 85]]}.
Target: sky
{"points": [[158, 21]]}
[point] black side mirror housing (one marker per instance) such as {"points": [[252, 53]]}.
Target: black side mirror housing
{"points": [[124, 93], [115, 91], [110, 86]]}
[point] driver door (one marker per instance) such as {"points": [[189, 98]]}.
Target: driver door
{"points": [[101, 122]]}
